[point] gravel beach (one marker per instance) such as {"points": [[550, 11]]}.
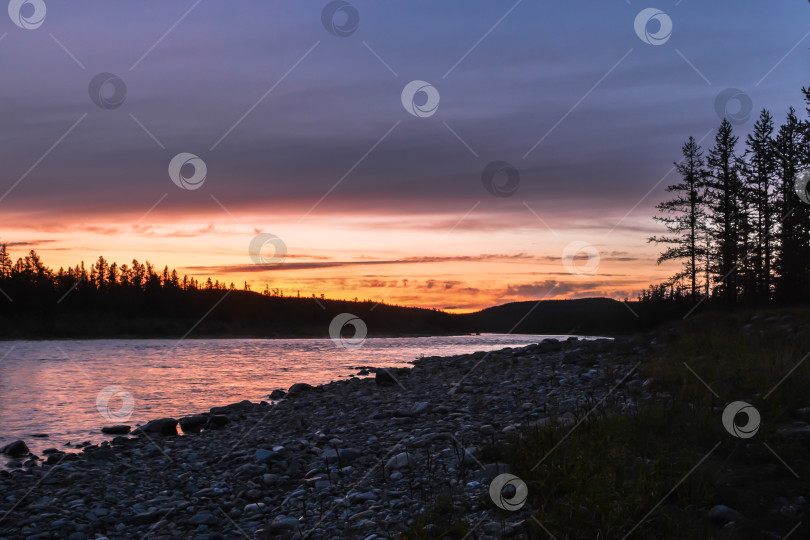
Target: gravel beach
{"points": [[357, 458]]}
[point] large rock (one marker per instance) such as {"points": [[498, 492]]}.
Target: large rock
{"points": [[299, 387], [119, 429], [243, 405], [17, 448], [383, 377], [217, 421], [162, 426], [277, 394], [192, 424]]}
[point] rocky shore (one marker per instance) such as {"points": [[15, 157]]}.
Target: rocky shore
{"points": [[358, 458]]}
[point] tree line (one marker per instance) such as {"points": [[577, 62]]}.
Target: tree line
{"points": [[29, 273], [736, 220], [107, 299], [28, 284]]}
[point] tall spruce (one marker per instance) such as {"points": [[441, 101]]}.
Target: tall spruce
{"points": [[793, 260], [685, 218], [758, 173], [725, 199]]}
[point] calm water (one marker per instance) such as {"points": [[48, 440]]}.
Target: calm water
{"points": [[53, 386]]}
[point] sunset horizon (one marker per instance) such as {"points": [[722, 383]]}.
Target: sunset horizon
{"points": [[371, 200]]}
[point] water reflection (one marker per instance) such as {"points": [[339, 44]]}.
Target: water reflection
{"points": [[52, 386]]}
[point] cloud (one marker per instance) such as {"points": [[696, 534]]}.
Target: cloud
{"points": [[27, 243], [568, 289], [313, 265]]}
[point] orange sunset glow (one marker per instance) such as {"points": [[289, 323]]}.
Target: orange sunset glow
{"points": [[377, 257], [405, 172]]}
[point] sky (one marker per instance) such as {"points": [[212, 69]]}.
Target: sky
{"points": [[451, 155]]}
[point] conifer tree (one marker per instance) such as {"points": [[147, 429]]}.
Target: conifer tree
{"points": [[684, 216], [792, 261], [724, 198], [758, 173]]}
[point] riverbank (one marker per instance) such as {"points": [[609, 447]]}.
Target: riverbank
{"points": [[719, 452], [53, 387], [353, 458]]}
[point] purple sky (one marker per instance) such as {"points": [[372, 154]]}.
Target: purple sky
{"points": [[611, 110]]}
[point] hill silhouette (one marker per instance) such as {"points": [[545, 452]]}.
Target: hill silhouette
{"points": [[586, 316], [107, 300], [235, 313]]}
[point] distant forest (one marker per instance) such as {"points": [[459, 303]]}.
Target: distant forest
{"points": [[736, 219], [30, 279], [107, 300]]}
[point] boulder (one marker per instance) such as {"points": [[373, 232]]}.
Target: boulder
{"points": [[383, 377], [17, 448], [55, 458], [299, 387], [233, 407], [277, 394], [217, 421], [192, 424], [162, 426], [119, 429]]}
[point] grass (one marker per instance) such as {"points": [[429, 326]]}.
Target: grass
{"points": [[635, 474]]}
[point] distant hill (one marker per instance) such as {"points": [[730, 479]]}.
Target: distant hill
{"points": [[218, 313], [214, 313], [592, 316]]}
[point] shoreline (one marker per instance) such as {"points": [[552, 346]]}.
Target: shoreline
{"points": [[73, 438], [295, 336], [271, 467]]}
